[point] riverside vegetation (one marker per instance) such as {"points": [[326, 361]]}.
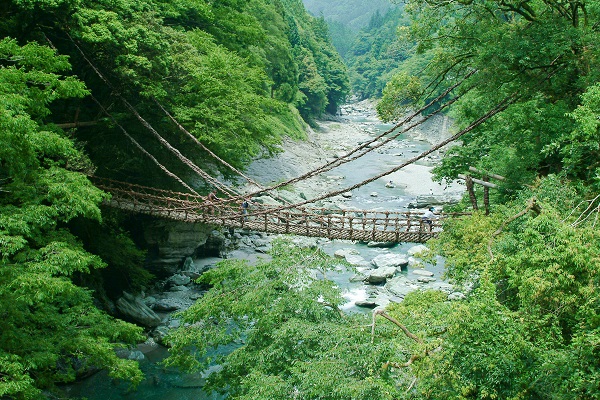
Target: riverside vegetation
{"points": [[239, 74]]}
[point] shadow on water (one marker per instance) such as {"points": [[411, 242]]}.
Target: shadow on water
{"points": [[160, 383]]}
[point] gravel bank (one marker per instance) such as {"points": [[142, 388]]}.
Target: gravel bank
{"points": [[338, 135]]}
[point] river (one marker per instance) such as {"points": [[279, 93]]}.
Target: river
{"points": [[356, 126]]}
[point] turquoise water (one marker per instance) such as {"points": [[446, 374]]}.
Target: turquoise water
{"points": [[161, 383]]}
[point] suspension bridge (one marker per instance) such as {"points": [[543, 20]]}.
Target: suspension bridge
{"points": [[351, 224], [298, 219]]}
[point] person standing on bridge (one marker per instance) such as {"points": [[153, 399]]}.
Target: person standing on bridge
{"points": [[428, 217], [245, 205], [212, 199]]}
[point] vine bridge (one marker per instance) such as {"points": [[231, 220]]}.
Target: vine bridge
{"points": [[351, 224], [297, 219]]}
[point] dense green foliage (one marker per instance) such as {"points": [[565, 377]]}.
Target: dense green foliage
{"points": [[376, 54], [234, 73], [294, 341], [539, 55], [50, 329], [354, 14], [537, 280], [529, 327]]}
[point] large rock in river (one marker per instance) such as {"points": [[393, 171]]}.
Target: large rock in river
{"points": [[389, 260], [380, 275], [133, 308]]}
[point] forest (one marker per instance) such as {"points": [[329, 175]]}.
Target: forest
{"points": [[520, 80]]}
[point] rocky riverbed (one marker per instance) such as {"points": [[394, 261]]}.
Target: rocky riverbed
{"points": [[336, 136], [383, 272]]}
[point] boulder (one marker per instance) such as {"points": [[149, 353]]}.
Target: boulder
{"points": [[366, 304], [400, 286], [419, 250], [415, 263], [422, 272], [289, 196], [170, 242], [442, 286], [456, 296], [356, 260], [159, 334], [389, 260], [380, 275], [342, 253], [167, 305], [383, 245], [179, 280], [135, 309]]}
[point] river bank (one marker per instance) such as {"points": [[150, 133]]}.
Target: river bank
{"points": [[337, 135]]}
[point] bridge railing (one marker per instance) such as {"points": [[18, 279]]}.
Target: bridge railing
{"points": [[306, 220], [352, 224]]}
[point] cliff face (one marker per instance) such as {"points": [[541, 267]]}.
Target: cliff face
{"points": [[169, 243]]}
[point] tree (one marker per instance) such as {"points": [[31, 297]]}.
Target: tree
{"points": [[377, 53], [535, 55], [535, 275], [291, 338], [50, 328]]}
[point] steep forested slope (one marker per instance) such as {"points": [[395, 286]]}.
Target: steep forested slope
{"points": [[537, 61], [376, 53], [232, 72]]}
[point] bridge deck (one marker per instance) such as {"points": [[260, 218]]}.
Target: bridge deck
{"points": [[351, 224]]}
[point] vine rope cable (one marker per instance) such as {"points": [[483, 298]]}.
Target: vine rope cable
{"points": [[346, 158], [501, 106], [163, 141], [141, 148], [203, 147]]}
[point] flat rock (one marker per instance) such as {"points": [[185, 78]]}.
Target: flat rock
{"points": [[380, 275], [365, 304], [342, 253], [418, 250], [422, 272], [389, 260], [356, 260], [383, 245]]}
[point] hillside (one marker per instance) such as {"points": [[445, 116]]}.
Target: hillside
{"points": [[353, 13]]}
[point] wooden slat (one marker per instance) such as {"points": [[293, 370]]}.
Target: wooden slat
{"points": [[390, 227]]}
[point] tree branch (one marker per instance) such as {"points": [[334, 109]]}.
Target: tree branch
{"points": [[531, 205], [395, 322]]}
